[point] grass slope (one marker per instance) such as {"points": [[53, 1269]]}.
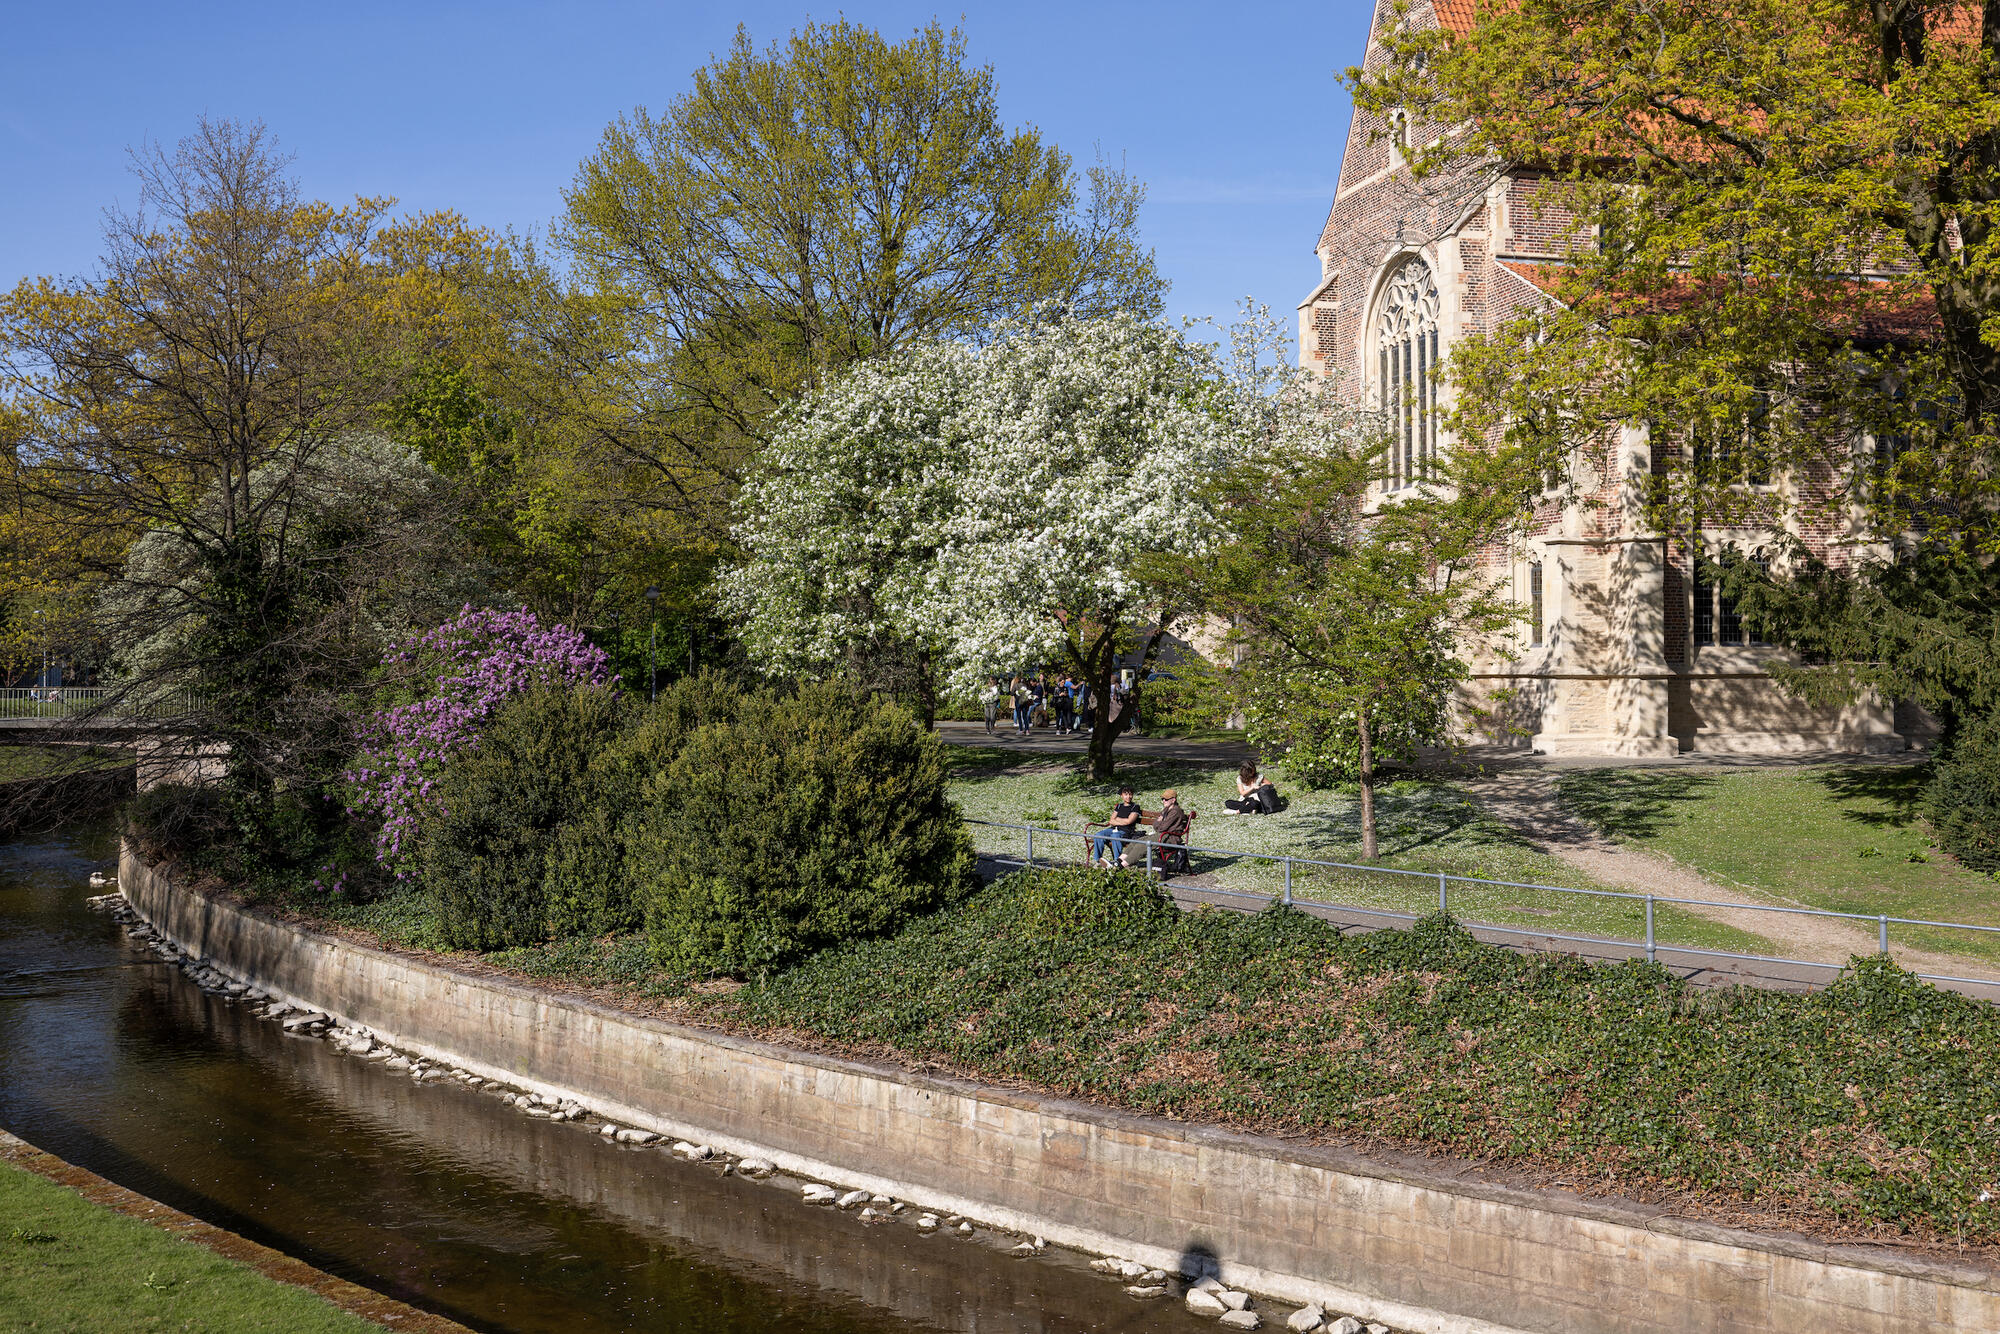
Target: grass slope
{"points": [[1848, 838], [67, 1264], [1423, 827], [17, 762], [1865, 1109]]}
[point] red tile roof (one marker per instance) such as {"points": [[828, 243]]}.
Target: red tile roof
{"points": [[1879, 310], [1457, 15]]}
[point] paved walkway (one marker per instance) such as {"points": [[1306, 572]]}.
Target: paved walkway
{"points": [[1043, 743], [1196, 891], [1520, 789], [1524, 795]]}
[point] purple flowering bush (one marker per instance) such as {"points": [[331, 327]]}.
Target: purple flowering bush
{"points": [[451, 682]]}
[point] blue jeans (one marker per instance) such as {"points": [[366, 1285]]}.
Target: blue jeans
{"points": [[1112, 835]]}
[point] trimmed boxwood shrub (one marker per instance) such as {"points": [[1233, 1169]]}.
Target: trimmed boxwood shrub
{"points": [[1963, 796], [589, 892], [502, 807], [806, 820], [1067, 902]]}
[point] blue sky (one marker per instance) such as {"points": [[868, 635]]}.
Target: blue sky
{"points": [[1233, 116]]}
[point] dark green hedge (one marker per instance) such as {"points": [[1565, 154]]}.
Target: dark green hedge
{"points": [[1963, 796], [589, 885], [806, 820], [503, 807]]}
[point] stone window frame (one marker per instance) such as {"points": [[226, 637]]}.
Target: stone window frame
{"points": [[1406, 333]]}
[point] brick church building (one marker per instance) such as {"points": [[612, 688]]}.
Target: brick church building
{"points": [[1626, 651]]}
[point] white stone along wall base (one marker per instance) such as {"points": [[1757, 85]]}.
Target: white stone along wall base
{"points": [[1418, 1245]]}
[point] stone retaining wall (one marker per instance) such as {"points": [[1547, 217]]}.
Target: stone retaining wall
{"points": [[1406, 1243]]}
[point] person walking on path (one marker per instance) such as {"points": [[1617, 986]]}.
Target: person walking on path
{"points": [[989, 699]]}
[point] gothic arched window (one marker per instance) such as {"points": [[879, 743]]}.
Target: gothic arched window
{"points": [[1406, 337]]}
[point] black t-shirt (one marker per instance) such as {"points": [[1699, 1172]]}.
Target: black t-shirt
{"points": [[1119, 812]]}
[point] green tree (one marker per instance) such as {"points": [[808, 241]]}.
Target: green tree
{"points": [[1782, 235], [831, 198], [1346, 632], [1782, 223], [1346, 620], [187, 427]]}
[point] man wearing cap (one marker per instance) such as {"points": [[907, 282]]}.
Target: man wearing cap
{"points": [[1124, 819], [1170, 826]]}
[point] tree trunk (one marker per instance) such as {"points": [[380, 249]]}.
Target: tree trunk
{"points": [[1101, 735], [1367, 768], [926, 690]]}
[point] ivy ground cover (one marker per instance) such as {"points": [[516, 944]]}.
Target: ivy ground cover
{"points": [[1868, 1109]]}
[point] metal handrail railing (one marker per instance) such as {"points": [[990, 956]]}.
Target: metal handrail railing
{"points": [[36, 702], [1881, 921]]}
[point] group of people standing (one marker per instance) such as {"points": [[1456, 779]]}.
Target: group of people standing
{"points": [[1062, 700]]}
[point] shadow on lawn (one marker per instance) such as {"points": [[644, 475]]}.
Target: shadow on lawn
{"points": [[1897, 790], [1633, 803]]}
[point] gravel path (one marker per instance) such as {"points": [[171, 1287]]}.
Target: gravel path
{"points": [[1525, 797]]}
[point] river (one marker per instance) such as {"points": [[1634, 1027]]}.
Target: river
{"points": [[435, 1193]]}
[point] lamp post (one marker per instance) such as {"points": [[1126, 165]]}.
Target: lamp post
{"points": [[40, 620], [653, 653]]}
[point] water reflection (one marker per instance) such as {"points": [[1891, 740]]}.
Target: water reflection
{"points": [[437, 1193]]}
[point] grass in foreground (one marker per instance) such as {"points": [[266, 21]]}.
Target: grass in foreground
{"points": [[69, 1264], [1864, 1109], [1847, 838], [1423, 827], [18, 762]]}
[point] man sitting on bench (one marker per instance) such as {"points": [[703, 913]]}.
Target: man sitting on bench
{"points": [[1170, 830]]}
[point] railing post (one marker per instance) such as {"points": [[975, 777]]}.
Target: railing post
{"points": [[1288, 881], [1649, 930], [1883, 923], [1031, 845], [1444, 903], [1149, 856]]}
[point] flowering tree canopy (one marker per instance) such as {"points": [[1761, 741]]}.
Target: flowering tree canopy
{"points": [[457, 675], [990, 508], [844, 524]]}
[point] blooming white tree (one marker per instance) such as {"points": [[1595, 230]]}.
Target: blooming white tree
{"points": [[985, 510], [1086, 444], [843, 522]]}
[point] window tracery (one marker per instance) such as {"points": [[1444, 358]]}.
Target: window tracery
{"points": [[1406, 338]]}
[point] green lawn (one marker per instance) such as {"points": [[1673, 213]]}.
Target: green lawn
{"points": [[49, 761], [1847, 838], [69, 1264], [1423, 827]]}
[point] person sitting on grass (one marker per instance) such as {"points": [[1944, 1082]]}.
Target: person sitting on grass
{"points": [[1124, 820], [1255, 794]]}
